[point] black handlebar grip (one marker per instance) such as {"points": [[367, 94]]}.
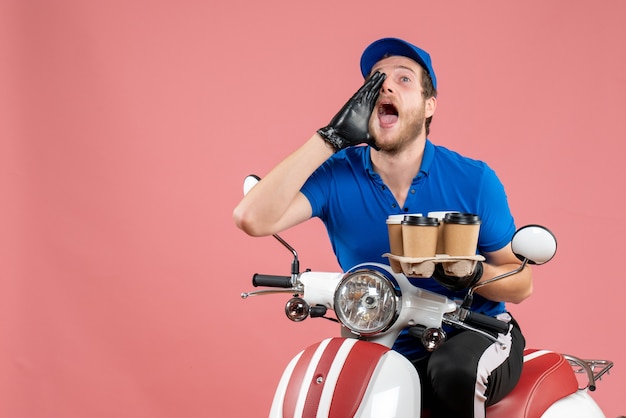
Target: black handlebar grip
{"points": [[486, 322], [269, 280]]}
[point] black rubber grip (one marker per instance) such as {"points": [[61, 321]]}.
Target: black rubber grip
{"points": [[268, 280], [486, 322]]}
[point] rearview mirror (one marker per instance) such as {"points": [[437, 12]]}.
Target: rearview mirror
{"points": [[249, 182], [534, 243]]}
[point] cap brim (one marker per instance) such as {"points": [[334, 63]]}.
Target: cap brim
{"points": [[394, 46]]}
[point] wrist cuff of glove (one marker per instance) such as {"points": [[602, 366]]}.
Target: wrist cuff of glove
{"points": [[457, 284], [329, 134]]}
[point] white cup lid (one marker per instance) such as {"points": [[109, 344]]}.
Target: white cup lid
{"points": [[397, 219]]}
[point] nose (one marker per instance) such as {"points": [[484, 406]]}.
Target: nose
{"points": [[386, 86]]}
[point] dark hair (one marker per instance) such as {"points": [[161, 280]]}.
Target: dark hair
{"points": [[428, 91]]}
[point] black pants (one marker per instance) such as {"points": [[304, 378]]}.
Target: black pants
{"points": [[470, 372]]}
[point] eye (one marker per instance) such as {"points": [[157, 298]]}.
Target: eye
{"points": [[405, 79]]}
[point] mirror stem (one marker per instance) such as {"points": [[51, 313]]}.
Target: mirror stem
{"points": [[467, 302], [295, 264]]}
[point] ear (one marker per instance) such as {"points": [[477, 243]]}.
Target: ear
{"points": [[430, 106]]}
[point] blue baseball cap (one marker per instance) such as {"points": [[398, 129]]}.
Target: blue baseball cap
{"points": [[394, 46]]}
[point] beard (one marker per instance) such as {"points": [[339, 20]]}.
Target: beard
{"points": [[407, 134]]}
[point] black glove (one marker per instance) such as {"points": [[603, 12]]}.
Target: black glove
{"points": [[454, 283], [351, 125]]}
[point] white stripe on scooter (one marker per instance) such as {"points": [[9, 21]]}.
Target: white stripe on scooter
{"points": [[333, 375], [535, 354], [308, 377], [331, 380]]}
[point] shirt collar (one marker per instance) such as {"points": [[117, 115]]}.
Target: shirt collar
{"points": [[427, 160]]}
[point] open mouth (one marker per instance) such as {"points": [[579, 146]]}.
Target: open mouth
{"points": [[387, 114]]}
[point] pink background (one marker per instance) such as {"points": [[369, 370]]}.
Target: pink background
{"points": [[127, 128]]}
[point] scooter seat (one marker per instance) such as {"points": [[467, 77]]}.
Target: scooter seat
{"points": [[546, 377]]}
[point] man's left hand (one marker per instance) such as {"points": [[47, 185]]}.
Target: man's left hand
{"points": [[457, 284]]}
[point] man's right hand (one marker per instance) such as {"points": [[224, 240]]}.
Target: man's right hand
{"points": [[351, 125]]}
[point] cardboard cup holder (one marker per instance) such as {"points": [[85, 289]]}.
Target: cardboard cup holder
{"points": [[423, 267]]}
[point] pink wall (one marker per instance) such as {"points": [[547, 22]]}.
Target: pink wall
{"points": [[127, 127]]}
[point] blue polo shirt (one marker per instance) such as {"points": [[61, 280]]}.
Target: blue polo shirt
{"points": [[353, 202]]}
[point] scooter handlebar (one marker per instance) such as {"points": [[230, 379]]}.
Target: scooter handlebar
{"points": [[269, 280], [486, 322]]}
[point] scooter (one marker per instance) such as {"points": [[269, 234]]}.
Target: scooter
{"points": [[357, 374]]}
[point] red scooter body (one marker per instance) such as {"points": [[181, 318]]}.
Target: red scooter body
{"points": [[341, 377]]}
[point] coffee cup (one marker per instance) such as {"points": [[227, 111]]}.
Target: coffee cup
{"points": [[460, 234], [394, 226], [440, 215], [419, 236]]}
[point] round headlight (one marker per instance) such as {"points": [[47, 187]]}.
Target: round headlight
{"points": [[366, 302]]}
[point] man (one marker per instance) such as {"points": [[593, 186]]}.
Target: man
{"points": [[353, 189]]}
